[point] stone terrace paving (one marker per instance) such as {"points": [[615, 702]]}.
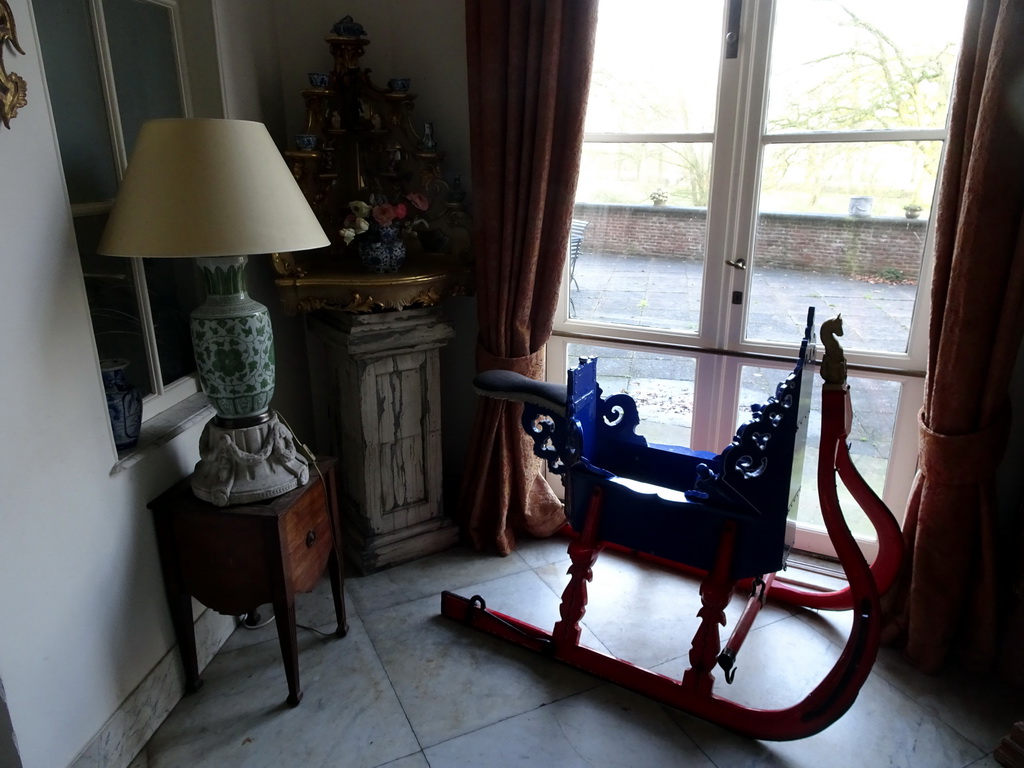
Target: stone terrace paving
{"points": [[662, 292]]}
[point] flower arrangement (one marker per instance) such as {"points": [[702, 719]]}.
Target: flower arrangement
{"points": [[659, 196], [378, 213]]}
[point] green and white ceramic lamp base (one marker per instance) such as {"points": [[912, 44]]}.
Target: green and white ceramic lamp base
{"points": [[246, 453]]}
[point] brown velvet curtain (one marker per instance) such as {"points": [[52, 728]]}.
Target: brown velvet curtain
{"points": [[529, 75], [945, 606]]}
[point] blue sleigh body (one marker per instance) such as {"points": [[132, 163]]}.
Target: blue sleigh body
{"points": [[670, 501]]}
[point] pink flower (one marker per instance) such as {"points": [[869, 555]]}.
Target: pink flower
{"points": [[384, 214], [418, 200], [400, 211]]}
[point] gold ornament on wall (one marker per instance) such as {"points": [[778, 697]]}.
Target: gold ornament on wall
{"points": [[13, 89]]}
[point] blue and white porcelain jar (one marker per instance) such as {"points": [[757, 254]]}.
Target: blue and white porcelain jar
{"points": [[381, 248], [124, 403]]}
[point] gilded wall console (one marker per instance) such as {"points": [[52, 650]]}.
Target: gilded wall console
{"points": [[13, 89], [360, 142]]}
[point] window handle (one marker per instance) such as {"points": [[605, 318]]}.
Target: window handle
{"points": [[732, 32], [738, 264]]}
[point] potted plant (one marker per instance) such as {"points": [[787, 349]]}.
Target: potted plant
{"points": [[659, 196], [912, 211], [377, 229]]}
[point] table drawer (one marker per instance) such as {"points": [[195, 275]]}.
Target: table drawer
{"points": [[307, 539]]}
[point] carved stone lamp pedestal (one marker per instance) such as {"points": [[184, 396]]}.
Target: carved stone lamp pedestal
{"points": [[384, 408]]}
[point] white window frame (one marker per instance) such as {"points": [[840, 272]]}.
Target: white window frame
{"points": [[736, 159], [163, 396]]}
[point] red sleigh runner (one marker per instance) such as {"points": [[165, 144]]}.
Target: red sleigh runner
{"points": [[726, 517]]}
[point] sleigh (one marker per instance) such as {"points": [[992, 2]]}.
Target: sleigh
{"points": [[727, 518]]}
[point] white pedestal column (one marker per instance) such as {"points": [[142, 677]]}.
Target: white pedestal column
{"points": [[384, 407]]}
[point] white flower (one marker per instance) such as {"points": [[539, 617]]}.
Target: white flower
{"points": [[348, 234], [359, 208]]}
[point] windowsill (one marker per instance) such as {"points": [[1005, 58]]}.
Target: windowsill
{"points": [[164, 427], [809, 571]]}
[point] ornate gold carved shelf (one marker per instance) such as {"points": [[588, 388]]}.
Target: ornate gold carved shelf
{"points": [[424, 280]]}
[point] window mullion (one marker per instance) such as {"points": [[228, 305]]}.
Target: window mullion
{"points": [[837, 137], [106, 67], [732, 210], [647, 138]]}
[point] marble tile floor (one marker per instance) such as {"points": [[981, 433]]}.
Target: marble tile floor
{"points": [[409, 689]]}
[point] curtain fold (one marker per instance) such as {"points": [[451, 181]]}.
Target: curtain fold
{"points": [[945, 604], [529, 75]]}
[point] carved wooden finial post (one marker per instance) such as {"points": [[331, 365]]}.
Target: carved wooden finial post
{"points": [[833, 363]]}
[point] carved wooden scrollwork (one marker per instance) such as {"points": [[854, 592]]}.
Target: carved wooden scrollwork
{"points": [[13, 88]]}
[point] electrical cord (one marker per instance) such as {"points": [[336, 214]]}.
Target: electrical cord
{"points": [[245, 618], [255, 616], [332, 503]]}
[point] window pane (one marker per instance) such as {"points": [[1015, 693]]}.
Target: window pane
{"points": [[174, 291], [636, 86], [859, 66], [644, 173], [112, 303], [142, 52], [661, 385], [832, 233], [76, 94], [639, 261], [823, 178], [874, 421]]}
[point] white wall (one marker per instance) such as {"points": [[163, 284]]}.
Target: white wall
{"points": [[84, 617]]}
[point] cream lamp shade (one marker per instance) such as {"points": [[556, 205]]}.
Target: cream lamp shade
{"points": [[219, 190], [206, 187]]}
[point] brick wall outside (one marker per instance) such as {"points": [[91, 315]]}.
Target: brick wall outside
{"points": [[808, 242]]}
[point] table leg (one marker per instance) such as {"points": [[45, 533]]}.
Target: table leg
{"points": [[179, 602], [334, 570], [185, 632], [284, 615], [336, 562]]}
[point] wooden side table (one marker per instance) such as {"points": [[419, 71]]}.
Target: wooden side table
{"points": [[234, 559]]}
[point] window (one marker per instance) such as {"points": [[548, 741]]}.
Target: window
{"points": [[103, 85], [726, 191]]}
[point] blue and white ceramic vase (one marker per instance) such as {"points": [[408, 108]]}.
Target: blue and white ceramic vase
{"points": [[124, 403], [381, 248]]}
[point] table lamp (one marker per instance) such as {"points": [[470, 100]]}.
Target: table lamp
{"points": [[217, 191]]}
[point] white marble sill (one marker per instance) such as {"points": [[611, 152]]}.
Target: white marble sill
{"points": [[164, 427], [813, 572]]}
